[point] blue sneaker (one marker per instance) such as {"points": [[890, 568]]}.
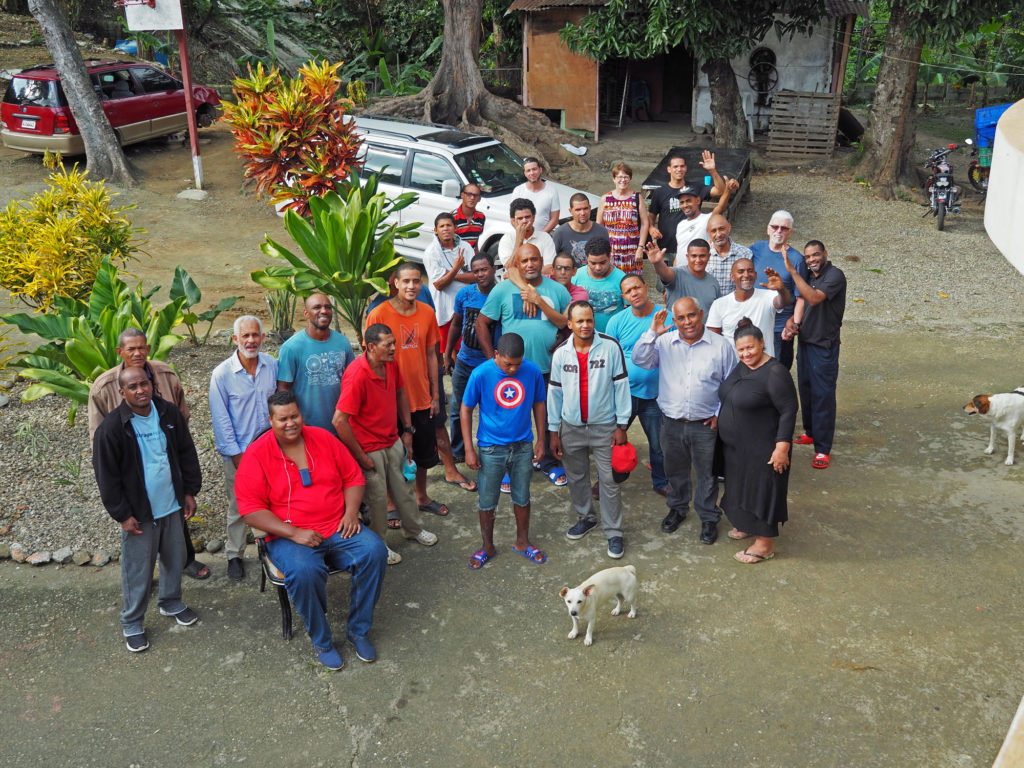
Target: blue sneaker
{"points": [[615, 547], [581, 529], [330, 658], [364, 648]]}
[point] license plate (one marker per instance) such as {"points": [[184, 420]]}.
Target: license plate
{"points": [[28, 124]]}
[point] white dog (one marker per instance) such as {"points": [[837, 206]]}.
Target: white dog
{"points": [[1004, 411], [584, 600]]}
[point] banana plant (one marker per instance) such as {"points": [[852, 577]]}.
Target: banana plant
{"points": [[82, 336], [347, 245]]}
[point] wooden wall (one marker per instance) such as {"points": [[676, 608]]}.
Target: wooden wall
{"points": [[553, 77]]}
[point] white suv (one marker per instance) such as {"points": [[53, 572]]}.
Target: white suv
{"points": [[435, 161]]}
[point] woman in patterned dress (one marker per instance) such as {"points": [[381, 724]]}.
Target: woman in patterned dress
{"points": [[623, 213]]}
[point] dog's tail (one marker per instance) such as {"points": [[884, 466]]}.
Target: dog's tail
{"points": [[631, 569]]}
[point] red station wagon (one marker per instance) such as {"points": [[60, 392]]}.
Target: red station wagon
{"points": [[140, 101]]}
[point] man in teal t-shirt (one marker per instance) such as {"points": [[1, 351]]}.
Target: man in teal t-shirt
{"points": [[312, 362], [626, 328], [601, 279], [537, 322]]}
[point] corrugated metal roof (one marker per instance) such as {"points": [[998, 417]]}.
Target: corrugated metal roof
{"points": [[847, 8], [540, 5]]}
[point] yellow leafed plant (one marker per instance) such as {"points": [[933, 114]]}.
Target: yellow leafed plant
{"points": [[52, 243]]}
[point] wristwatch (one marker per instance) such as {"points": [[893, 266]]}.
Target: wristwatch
{"points": [[410, 430]]}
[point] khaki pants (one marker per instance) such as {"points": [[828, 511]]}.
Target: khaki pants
{"points": [[236, 527], [387, 475]]}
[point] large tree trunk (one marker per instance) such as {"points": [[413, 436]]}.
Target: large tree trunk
{"points": [[103, 154], [891, 130], [726, 107], [457, 95]]}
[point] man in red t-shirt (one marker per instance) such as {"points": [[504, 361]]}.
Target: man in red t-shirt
{"points": [[301, 486], [372, 403]]}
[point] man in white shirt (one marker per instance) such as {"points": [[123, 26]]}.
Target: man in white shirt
{"points": [[446, 261], [522, 213], [540, 193], [759, 305]]}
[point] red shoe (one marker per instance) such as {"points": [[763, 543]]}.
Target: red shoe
{"points": [[820, 461], [804, 439]]}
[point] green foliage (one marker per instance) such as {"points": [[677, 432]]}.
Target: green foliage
{"points": [[639, 29], [73, 469], [282, 305], [269, 61], [184, 288], [292, 133], [82, 336], [10, 353], [348, 248], [35, 443], [52, 244]]}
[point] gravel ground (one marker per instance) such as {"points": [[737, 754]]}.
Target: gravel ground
{"points": [[903, 275]]}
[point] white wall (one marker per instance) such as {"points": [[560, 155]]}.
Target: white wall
{"points": [[804, 63], [1004, 203]]}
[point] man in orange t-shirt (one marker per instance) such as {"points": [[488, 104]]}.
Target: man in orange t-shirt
{"points": [[417, 340]]}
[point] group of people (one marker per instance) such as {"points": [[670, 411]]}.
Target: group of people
{"points": [[560, 347]]}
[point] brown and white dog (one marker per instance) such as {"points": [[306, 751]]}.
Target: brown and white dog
{"points": [[1004, 411]]}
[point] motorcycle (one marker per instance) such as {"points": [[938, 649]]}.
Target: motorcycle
{"points": [[977, 171], [943, 194]]}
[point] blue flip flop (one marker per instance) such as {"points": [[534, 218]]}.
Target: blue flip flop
{"points": [[476, 562], [557, 476], [506, 484], [530, 553]]}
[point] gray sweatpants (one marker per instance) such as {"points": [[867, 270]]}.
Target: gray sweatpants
{"points": [[578, 445], [164, 537]]}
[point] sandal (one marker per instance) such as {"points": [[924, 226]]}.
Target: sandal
{"points": [[198, 571], [557, 476], [506, 484], [820, 461], [737, 535], [803, 439], [466, 485], [441, 510], [532, 554], [476, 562], [748, 553], [394, 523]]}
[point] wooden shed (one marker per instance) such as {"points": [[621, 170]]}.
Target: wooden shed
{"points": [[587, 93]]}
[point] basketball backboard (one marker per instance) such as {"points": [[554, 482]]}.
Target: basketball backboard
{"points": [[162, 14]]}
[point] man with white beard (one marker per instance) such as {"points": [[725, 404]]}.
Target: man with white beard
{"points": [[767, 256], [239, 388]]}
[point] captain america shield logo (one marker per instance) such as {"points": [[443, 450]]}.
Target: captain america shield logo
{"points": [[509, 393]]}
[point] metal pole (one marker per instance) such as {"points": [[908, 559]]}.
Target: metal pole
{"points": [[193, 129]]}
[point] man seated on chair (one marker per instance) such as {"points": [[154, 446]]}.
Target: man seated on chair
{"points": [[302, 486]]}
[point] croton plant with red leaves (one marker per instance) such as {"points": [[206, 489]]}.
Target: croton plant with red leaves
{"points": [[292, 132]]}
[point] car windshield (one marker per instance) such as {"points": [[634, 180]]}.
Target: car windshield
{"points": [[26, 92], [495, 169]]}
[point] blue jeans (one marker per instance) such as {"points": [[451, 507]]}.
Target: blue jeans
{"points": [[817, 370], [691, 443], [305, 577], [650, 419], [460, 375], [516, 459]]}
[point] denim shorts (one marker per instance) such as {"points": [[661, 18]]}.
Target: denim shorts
{"points": [[515, 459]]}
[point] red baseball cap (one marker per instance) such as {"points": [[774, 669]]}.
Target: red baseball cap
{"points": [[624, 461]]}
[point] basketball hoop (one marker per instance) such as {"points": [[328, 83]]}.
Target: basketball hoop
{"points": [[124, 3]]}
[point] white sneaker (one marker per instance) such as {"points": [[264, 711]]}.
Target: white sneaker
{"points": [[426, 538], [393, 557]]}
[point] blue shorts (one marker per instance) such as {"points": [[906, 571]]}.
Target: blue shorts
{"points": [[516, 460]]}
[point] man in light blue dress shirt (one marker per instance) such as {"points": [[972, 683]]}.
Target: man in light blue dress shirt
{"points": [[239, 388], [691, 365]]}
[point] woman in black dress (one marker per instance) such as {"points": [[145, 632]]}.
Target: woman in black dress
{"points": [[756, 429]]}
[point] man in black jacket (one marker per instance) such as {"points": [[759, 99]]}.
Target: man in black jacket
{"points": [[148, 474]]}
